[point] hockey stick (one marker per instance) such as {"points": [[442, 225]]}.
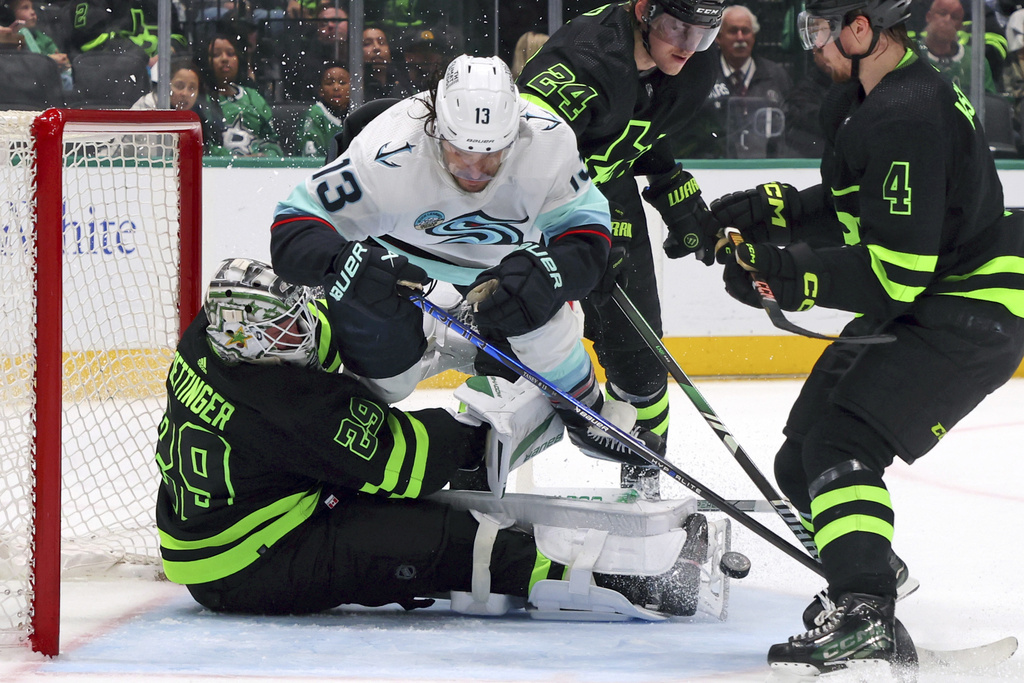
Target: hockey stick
{"points": [[778, 503], [779, 319], [634, 444]]}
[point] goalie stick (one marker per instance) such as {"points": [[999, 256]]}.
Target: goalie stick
{"points": [[598, 422], [777, 502], [779, 319]]}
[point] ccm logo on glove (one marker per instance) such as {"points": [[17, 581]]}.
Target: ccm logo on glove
{"points": [[777, 200]]}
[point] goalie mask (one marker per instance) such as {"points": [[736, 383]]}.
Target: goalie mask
{"points": [[256, 317]]}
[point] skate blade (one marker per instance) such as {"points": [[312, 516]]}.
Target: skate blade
{"points": [[866, 671]]}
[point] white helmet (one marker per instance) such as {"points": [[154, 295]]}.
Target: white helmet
{"points": [[478, 105], [256, 317]]}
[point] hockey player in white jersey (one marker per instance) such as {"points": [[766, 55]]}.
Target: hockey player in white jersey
{"points": [[471, 185]]}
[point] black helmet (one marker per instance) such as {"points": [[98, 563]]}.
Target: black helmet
{"points": [[882, 13], [822, 20], [687, 24], [697, 12]]}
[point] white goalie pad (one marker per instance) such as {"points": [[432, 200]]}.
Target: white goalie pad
{"points": [[640, 537], [629, 518], [645, 555], [557, 600], [523, 424]]}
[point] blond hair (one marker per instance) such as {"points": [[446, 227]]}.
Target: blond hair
{"points": [[526, 47]]}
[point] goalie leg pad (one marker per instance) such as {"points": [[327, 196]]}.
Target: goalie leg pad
{"points": [[480, 601], [578, 599], [643, 555]]}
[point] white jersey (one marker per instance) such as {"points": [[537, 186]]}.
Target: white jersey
{"points": [[391, 185]]}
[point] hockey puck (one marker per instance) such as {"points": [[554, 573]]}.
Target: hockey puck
{"points": [[734, 565]]}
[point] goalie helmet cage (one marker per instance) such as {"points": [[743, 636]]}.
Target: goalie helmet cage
{"points": [[100, 259]]}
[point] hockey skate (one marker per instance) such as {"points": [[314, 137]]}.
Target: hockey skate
{"points": [[861, 633], [815, 613], [598, 444], [652, 414]]}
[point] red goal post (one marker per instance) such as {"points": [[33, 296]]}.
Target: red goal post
{"points": [[100, 260]]}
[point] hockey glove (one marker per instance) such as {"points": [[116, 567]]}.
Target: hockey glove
{"points": [[519, 294], [365, 277], [764, 214], [615, 271], [676, 196], [795, 274]]}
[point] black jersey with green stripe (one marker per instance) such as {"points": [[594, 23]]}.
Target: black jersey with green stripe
{"points": [[586, 73], [915, 187], [247, 453]]}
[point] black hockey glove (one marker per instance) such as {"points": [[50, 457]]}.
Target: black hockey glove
{"points": [[365, 277], [622, 235], [676, 196], [764, 214], [795, 274], [519, 294]]}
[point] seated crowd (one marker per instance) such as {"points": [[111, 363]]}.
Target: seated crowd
{"points": [[271, 77]]}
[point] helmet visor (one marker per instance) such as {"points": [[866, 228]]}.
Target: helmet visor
{"points": [[817, 31], [472, 166], [688, 37]]}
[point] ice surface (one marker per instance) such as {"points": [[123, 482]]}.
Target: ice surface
{"points": [[958, 526]]}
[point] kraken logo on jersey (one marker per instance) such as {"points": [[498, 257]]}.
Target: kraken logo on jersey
{"points": [[479, 228], [554, 121], [384, 157]]}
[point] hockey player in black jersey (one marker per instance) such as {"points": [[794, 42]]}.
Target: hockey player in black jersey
{"points": [[289, 487], [908, 230], [626, 77]]}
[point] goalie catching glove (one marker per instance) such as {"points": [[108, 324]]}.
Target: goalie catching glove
{"points": [[691, 228], [795, 274], [366, 278]]}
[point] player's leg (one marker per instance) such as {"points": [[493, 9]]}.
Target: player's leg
{"points": [[555, 350], [896, 399], [634, 374]]}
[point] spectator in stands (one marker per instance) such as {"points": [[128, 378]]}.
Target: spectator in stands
{"points": [[37, 41], [425, 59], [759, 87], [325, 118], [942, 47], [323, 40], [381, 79], [526, 47], [185, 87], [104, 24], [302, 9], [233, 102], [1013, 72], [10, 38]]}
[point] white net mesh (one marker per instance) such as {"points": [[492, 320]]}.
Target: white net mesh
{"points": [[121, 278]]}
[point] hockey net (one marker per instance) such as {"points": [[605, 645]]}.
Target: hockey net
{"points": [[99, 274]]}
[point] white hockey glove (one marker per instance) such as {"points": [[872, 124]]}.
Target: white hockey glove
{"points": [[522, 421]]}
